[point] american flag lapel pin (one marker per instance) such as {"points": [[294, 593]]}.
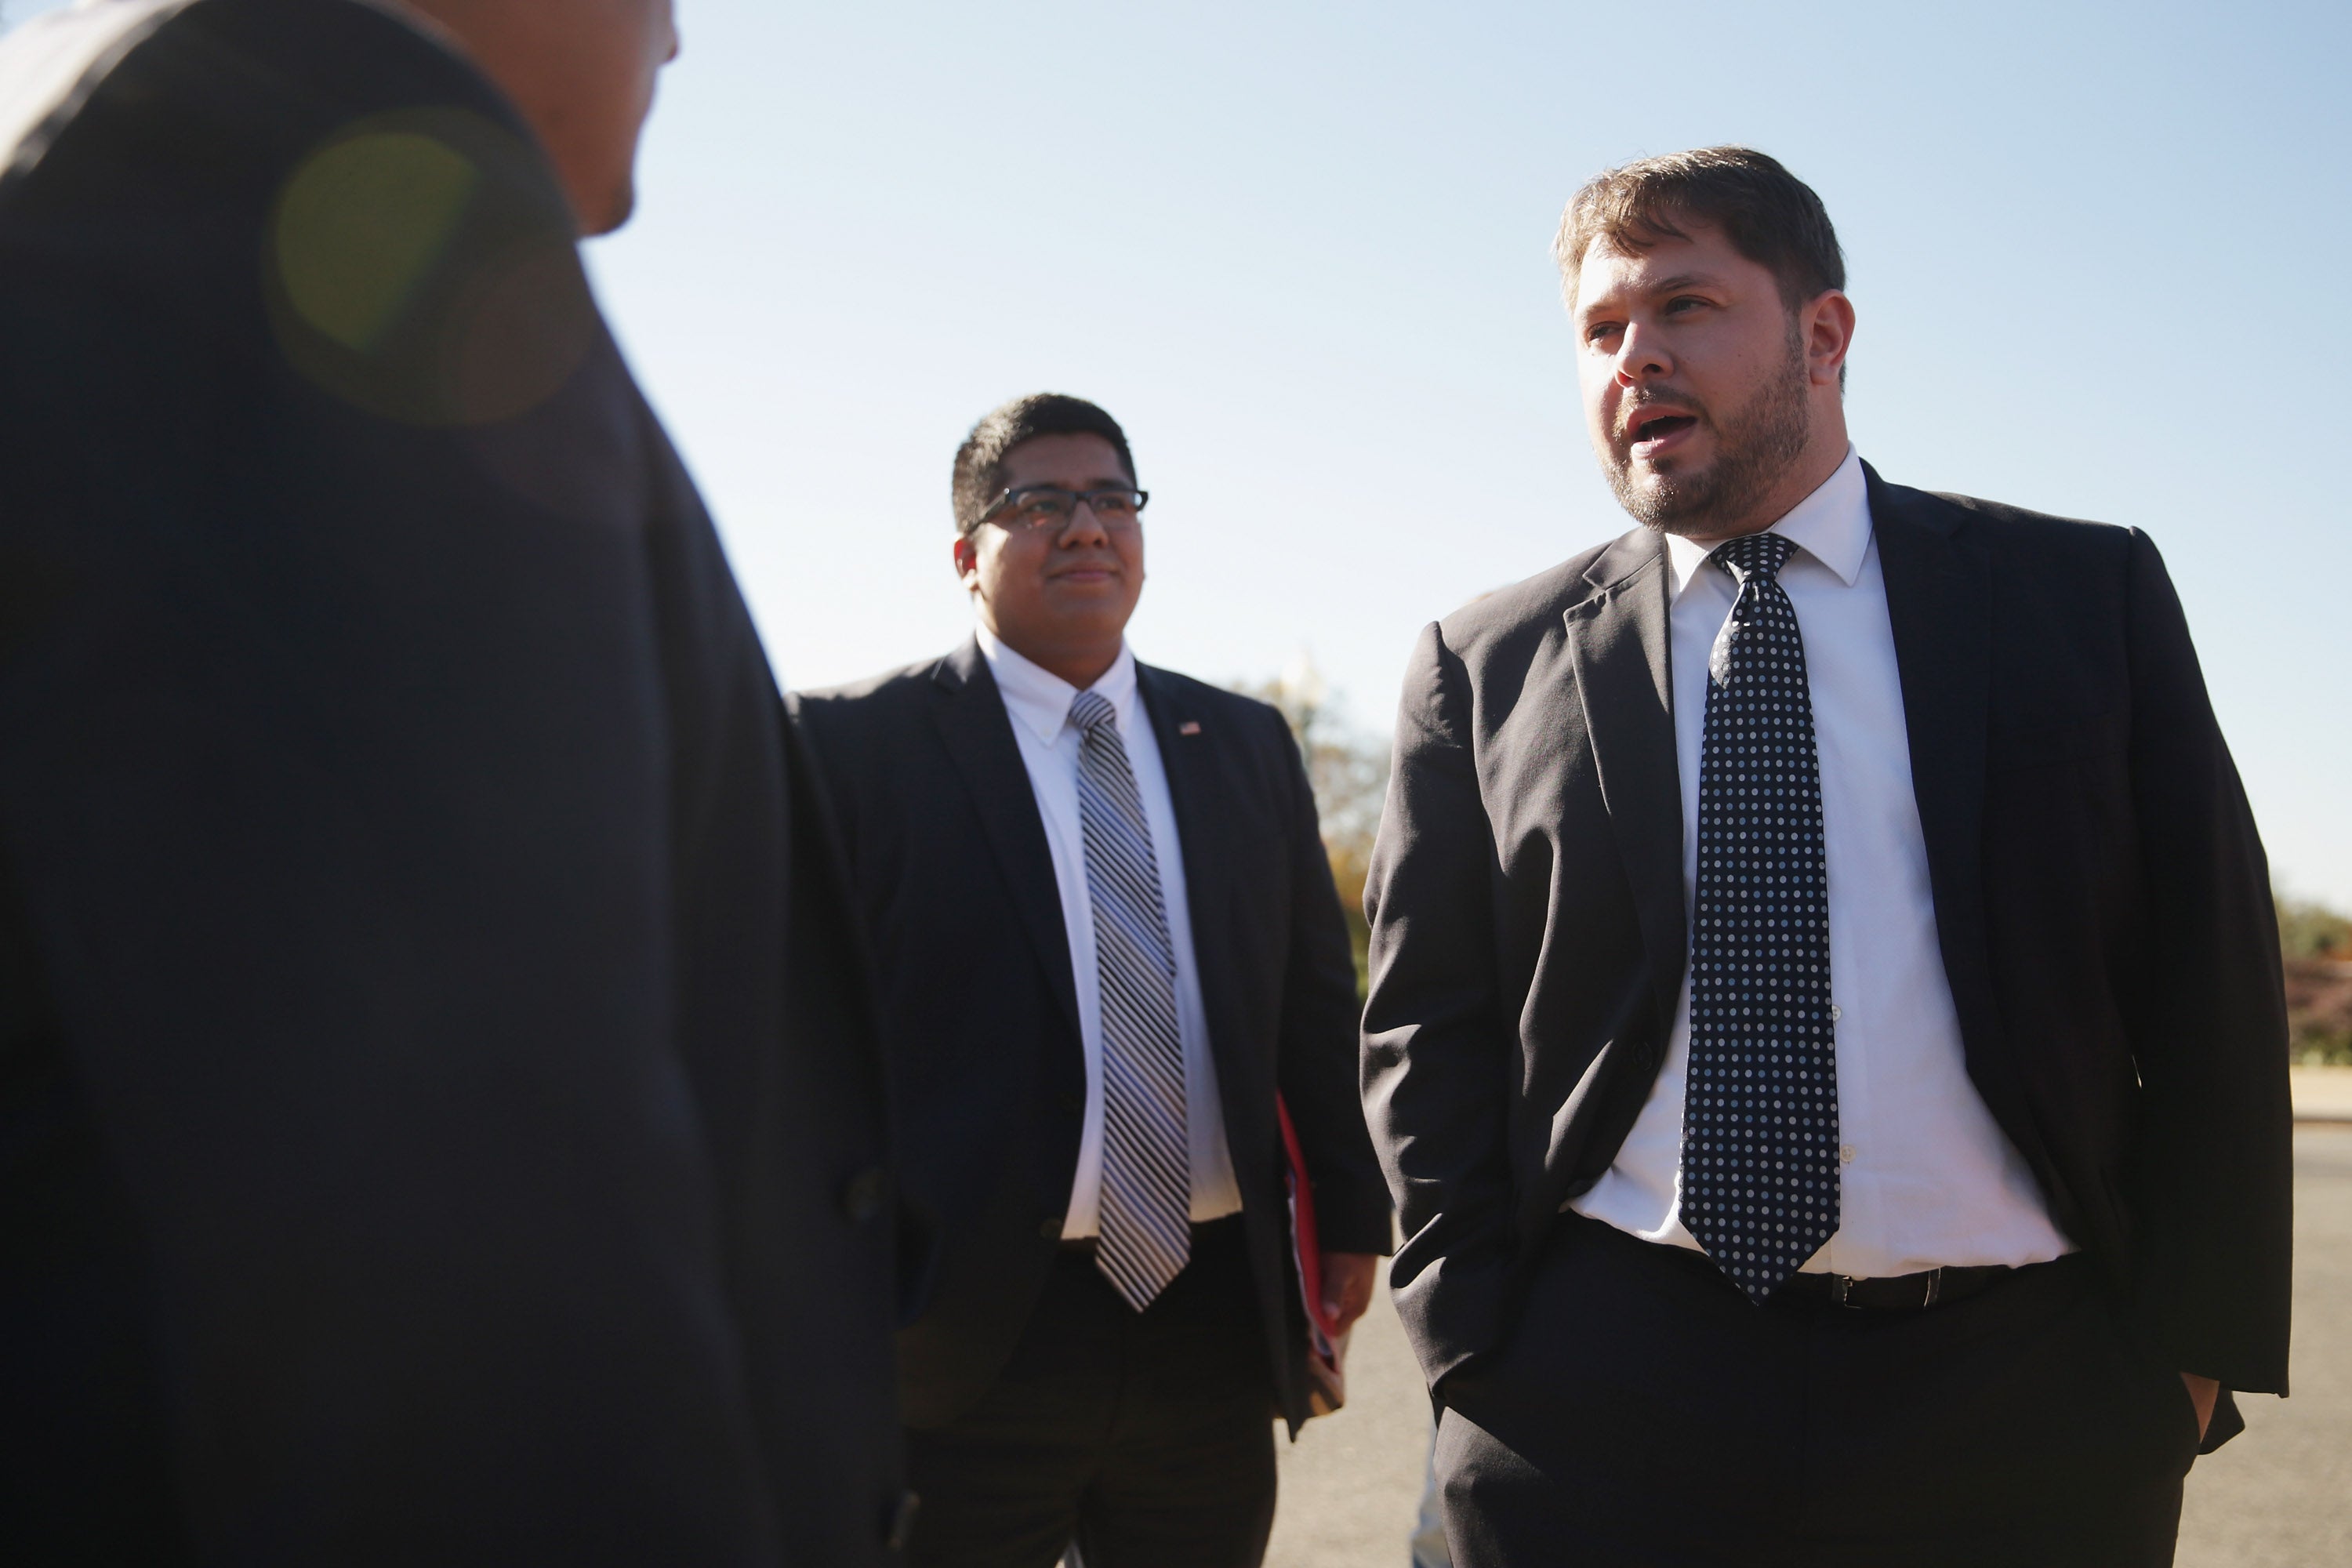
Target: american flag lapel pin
{"points": [[1189, 726]]}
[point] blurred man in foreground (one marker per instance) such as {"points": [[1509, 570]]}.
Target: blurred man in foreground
{"points": [[1825, 1033], [409, 1149], [1107, 939]]}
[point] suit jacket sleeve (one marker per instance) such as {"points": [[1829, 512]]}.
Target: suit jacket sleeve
{"points": [[1317, 1051], [2211, 1256], [1436, 1050]]}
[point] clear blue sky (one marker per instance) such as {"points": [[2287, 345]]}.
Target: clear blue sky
{"points": [[1300, 251]]}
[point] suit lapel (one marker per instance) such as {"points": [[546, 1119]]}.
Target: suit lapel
{"points": [[1187, 753], [1939, 604], [977, 730], [1618, 641]]}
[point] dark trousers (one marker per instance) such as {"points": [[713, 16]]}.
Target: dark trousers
{"points": [[1643, 1413], [1146, 1438]]}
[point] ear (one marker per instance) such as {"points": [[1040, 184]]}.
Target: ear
{"points": [[967, 559], [1829, 336]]}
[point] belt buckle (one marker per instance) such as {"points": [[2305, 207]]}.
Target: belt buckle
{"points": [[1842, 1289]]}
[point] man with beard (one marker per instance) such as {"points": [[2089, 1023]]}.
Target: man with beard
{"points": [[1825, 1036], [433, 1126]]}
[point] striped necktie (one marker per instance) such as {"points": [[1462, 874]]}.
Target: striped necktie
{"points": [[1145, 1230]]}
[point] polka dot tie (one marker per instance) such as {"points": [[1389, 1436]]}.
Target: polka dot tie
{"points": [[1759, 1180]]}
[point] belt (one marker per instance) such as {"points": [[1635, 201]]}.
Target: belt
{"points": [[1887, 1293], [1894, 1292]]}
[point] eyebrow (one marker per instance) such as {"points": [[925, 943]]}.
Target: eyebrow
{"points": [[1665, 286], [1120, 482]]}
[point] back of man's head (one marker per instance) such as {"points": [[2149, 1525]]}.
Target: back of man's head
{"points": [[979, 475], [1769, 214]]}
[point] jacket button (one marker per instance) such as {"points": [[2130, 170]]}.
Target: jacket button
{"points": [[1076, 1104], [1050, 1227], [862, 1199]]}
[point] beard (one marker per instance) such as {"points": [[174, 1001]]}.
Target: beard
{"points": [[1753, 448]]}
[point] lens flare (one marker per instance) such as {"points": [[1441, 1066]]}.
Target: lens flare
{"points": [[423, 265], [361, 222]]}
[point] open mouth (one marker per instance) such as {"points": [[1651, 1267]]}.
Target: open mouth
{"points": [[1654, 433]]}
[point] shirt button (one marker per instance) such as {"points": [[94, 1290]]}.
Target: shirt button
{"points": [[1845, 1153], [1836, 1012]]}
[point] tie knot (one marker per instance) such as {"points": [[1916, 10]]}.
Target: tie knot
{"points": [[1755, 555], [1090, 710]]}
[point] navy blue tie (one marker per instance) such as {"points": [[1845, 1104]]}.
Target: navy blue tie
{"points": [[1760, 1185]]}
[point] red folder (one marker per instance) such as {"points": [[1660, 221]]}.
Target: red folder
{"points": [[1326, 1377]]}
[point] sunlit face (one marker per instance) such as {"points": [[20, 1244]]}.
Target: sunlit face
{"points": [[1698, 381], [1063, 596]]}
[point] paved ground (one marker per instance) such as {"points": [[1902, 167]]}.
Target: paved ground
{"points": [[2279, 1497], [1351, 1484]]}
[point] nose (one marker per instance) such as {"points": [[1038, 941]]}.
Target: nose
{"points": [[1084, 527], [1641, 356]]}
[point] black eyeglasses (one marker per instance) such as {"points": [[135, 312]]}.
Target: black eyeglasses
{"points": [[1050, 506]]}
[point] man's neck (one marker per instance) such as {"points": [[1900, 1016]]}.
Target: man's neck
{"points": [[1081, 666]]}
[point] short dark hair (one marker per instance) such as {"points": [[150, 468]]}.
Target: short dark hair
{"points": [[1769, 215], [980, 461]]}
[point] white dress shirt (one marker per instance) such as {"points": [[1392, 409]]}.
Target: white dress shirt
{"points": [[1928, 1177], [1039, 703]]}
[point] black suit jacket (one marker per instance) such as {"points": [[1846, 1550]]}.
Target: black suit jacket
{"points": [[2101, 900], [432, 1127], [952, 869]]}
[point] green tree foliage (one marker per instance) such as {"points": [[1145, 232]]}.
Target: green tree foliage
{"points": [[2316, 944], [2313, 931], [1349, 772]]}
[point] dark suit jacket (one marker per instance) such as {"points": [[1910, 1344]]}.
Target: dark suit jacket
{"points": [[953, 872], [2100, 896], [432, 1127]]}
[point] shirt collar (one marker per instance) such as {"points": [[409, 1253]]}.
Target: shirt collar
{"points": [[1831, 525], [1039, 698]]}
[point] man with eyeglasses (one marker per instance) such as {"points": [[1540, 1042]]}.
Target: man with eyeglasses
{"points": [[1107, 940]]}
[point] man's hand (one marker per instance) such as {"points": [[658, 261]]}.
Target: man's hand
{"points": [[2202, 1392], [1348, 1291]]}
